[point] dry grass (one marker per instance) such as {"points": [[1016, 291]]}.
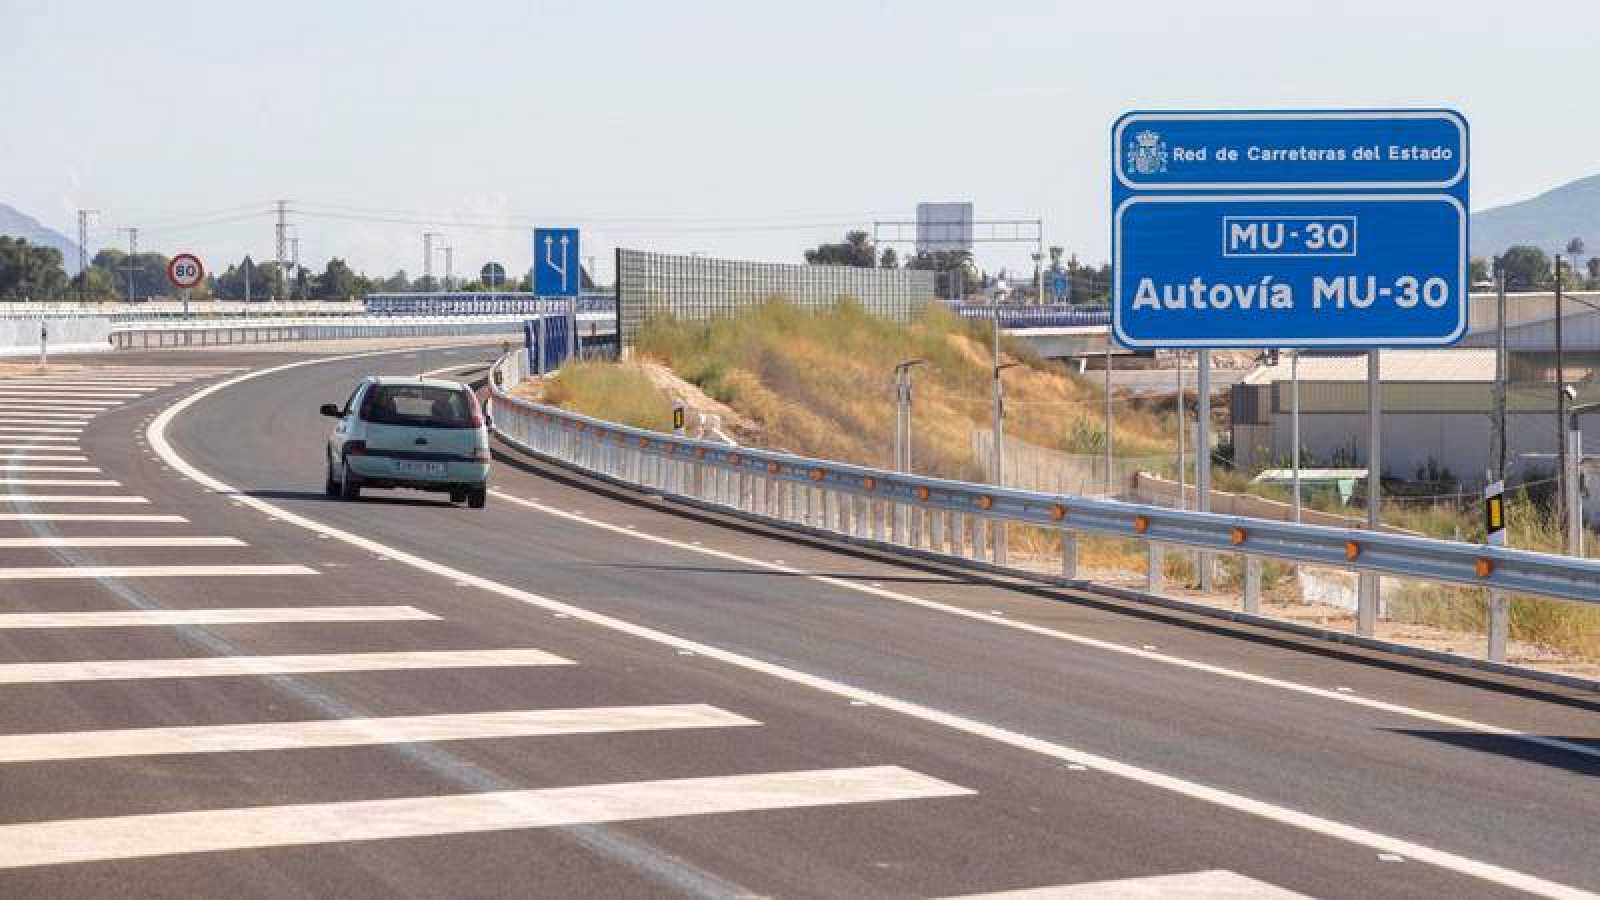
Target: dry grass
{"points": [[614, 393]]}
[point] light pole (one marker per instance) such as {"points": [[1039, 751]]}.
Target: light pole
{"points": [[997, 527], [1561, 409], [902, 414]]}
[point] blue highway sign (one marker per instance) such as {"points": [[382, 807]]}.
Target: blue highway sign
{"points": [[1289, 229], [1060, 288], [556, 271]]}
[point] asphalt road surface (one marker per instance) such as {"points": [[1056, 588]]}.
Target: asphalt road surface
{"points": [[215, 681]]}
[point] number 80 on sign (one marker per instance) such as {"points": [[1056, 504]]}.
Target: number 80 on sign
{"points": [[185, 271]]}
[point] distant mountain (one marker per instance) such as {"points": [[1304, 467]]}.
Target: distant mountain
{"points": [[1547, 221], [16, 223]]}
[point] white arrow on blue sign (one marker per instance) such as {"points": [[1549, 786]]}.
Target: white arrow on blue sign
{"points": [[1289, 229], [556, 272]]}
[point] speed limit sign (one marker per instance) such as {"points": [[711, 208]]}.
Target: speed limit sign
{"points": [[185, 271]]}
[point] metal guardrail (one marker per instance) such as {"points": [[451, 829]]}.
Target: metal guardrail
{"points": [[1048, 316], [163, 310], [456, 303], [129, 336], [965, 520]]}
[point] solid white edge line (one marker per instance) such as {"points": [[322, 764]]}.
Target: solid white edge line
{"points": [[306, 734], [93, 517], [156, 433]]}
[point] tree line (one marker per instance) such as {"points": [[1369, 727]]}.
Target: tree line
{"points": [[33, 272]]}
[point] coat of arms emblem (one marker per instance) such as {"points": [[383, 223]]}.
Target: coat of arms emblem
{"points": [[1147, 153]]}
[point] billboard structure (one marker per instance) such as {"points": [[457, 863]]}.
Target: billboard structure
{"points": [[944, 226]]}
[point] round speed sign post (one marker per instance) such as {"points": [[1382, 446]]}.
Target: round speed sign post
{"points": [[185, 271]]}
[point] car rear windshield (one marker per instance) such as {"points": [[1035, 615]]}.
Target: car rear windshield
{"points": [[421, 406]]}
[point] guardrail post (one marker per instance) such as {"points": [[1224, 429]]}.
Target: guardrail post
{"points": [[1069, 554], [1367, 601], [1154, 576], [976, 527], [897, 523], [697, 481], [958, 534], [1499, 625], [936, 530], [997, 530], [916, 526], [1252, 584]]}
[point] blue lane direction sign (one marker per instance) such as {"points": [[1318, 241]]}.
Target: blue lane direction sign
{"points": [[1330, 229], [1060, 288], [556, 271]]}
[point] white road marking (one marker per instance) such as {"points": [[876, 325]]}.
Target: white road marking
{"points": [[12, 467], [55, 403], [31, 426], [1443, 859], [27, 451], [90, 517], [233, 666], [55, 573], [119, 541], [59, 482], [52, 393], [67, 498], [252, 827], [265, 615], [48, 415], [358, 732], [1213, 885]]}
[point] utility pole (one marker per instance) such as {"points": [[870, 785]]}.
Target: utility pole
{"points": [[1561, 411], [283, 239], [427, 257], [130, 266], [83, 250], [294, 266]]}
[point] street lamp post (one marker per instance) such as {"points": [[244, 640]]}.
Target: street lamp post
{"points": [[902, 414], [997, 527]]}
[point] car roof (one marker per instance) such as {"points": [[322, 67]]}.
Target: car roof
{"points": [[412, 380]]}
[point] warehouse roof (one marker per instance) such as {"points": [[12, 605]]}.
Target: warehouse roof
{"points": [[1459, 364]]}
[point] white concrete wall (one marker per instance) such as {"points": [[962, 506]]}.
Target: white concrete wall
{"points": [[20, 337]]}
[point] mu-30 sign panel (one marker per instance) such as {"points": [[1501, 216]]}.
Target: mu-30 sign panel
{"points": [[1289, 229]]}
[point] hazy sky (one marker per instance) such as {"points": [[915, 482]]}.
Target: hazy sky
{"points": [[744, 129]]}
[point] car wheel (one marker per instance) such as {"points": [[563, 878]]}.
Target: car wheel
{"points": [[477, 497], [349, 484], [329, 485]]}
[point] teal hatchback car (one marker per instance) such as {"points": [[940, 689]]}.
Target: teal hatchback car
{"points": [[416, 433]]}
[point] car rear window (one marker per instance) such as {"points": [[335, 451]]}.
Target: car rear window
{"points": [[420, 405]]}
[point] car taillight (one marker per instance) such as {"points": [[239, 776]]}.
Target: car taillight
{"points": [[355, 448], [477, 412]]}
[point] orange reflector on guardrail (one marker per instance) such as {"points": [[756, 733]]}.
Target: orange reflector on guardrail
{"points": [[1058, 512], [699, 453], [1351, 550], [985, 502], [922, 493], [1140, 524], [816, 474], [1236, 536], [869, 484], [1484, 567], [773, 468]]}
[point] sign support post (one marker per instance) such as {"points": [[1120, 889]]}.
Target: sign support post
{"points": [[1202, 459], [1368, 600]]}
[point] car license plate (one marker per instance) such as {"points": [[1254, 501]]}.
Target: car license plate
{"points": [[409, 467]]}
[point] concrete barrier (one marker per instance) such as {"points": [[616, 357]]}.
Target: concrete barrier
{"points": [[20, 337]]}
